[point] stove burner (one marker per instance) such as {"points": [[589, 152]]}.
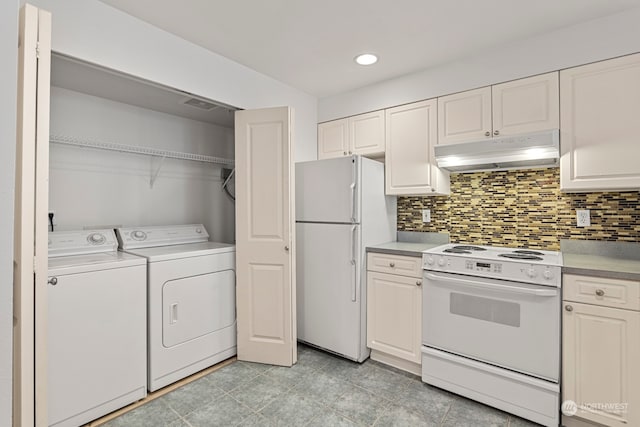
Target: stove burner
{"points": [[468, 248], [521, 256], [527, 252], [456, 250]]}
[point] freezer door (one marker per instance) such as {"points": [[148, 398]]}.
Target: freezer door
{"points": [[329, 300], [328, 190]]}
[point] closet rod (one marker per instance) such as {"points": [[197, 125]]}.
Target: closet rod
{"points": [[110, 146]]}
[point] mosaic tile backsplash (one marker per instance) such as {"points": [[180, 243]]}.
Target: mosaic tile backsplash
{"points": [[521, 208]]}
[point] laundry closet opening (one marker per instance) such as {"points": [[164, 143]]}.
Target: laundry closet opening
{"points": [[129, 152]]}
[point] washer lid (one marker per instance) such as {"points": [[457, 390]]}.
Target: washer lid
{"points": [[78, 242], [153, 236], [74, 264]]}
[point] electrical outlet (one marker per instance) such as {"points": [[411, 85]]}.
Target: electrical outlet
{"points": [[426, 215], [583, 217]]}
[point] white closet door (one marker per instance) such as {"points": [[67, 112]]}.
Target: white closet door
{"points": [[265, 296], [30, 227]]}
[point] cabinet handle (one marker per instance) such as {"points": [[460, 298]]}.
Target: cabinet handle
{"points": [[487, 133], [52, 281], [599, 292], [344, 153], [568, 307], [286, 248], [496, 132], [350, 152], [392, 264], [419, 282]]}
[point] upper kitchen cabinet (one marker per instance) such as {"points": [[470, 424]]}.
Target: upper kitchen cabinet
{"points": [[361, 134], [409, 163], [600, 126], [516, 107]]}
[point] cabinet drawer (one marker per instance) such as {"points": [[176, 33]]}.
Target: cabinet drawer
{"points": [[602, 291], [395, 264]]}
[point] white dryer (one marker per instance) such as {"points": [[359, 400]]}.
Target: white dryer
{"points": [[191, 299], [96, 327]]}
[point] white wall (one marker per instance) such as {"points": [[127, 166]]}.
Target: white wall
{"points": [[97, 188], [8, 90], [97, 33], [583, 43]]}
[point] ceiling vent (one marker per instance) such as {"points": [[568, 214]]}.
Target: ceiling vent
{"points": [[199, 103]]}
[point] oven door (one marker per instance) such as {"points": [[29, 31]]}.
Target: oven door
{"points": [[507, 324]]}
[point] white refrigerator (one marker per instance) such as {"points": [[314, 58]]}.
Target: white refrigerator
{"points": [[341, 209]]}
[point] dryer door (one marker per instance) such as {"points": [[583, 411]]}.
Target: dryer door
{"points": [[196, 306]]}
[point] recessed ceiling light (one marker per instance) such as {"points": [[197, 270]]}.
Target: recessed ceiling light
{"points": [[366, 59]]}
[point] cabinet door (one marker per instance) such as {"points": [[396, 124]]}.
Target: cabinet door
{"points": [[333, 139], [366, 133], [601, 350], [394, 308], [409, 159], [600, 106], [526, 105], [464, 116]]}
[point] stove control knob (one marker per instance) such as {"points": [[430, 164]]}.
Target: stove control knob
{"points": [[430, 260], [531, 272], [548, 275], [441, 262]]}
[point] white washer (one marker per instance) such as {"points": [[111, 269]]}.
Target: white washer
{"points": [[96, 327], [191, 299]]}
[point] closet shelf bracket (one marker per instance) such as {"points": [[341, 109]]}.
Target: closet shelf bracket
{"points": [[154, 176]]}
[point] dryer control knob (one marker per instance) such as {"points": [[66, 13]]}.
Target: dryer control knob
{"points": [[96, 238], [139, 235]]}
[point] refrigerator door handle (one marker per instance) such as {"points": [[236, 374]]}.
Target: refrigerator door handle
{"points": [[354, 267], [353, 190]]}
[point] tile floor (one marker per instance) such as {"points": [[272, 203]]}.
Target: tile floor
{"points": [[320, 390]]}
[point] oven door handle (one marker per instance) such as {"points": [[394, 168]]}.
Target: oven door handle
{"points": [[504, 288]]}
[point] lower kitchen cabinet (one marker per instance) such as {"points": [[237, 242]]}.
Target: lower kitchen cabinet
{"points": [[394, 310], [601, 351]]}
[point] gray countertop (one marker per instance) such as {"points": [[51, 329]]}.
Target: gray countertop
{"points": [[402, 248], [411, 243], [616, 260]]}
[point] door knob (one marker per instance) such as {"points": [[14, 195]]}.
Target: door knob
{"points": [[52, 281], [568, 307]]}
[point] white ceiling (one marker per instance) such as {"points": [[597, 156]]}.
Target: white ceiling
{"points": [[310, 44]]}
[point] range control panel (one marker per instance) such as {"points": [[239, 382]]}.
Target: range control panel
{"points": [[519, 271]]}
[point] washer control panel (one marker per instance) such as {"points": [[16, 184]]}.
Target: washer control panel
{"points": [[66, 243]]}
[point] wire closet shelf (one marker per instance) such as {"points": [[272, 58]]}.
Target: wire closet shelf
{"points": [[110, 146]]}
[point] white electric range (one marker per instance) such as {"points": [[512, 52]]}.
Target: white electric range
{"points": [[491, 326]]}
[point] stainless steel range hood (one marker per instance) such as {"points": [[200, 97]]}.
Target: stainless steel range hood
{"points": [[540, 149]]}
